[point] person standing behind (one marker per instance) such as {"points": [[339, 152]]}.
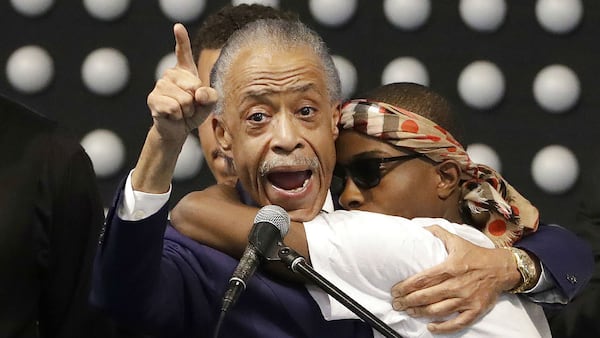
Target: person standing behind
{"points": [[50, 217]]}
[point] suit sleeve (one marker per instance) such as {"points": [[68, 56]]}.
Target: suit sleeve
{"points": [[147, 281], [126, 267], [565, 256]]}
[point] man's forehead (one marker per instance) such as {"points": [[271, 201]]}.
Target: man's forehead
{"points": [[264, 71], [263, 52], [303, 86]]}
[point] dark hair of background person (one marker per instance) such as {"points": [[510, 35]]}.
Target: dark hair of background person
{"points": [[218, 27]]}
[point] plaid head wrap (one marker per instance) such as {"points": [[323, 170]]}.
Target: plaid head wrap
{"points": [[488, 202]]}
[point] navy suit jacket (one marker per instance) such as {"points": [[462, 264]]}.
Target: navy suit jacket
{"points": [[150, 276], [567, 258]]}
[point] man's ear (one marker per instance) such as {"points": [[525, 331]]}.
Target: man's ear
{"points": [[222, 135], [336, 115], [449, 173]]}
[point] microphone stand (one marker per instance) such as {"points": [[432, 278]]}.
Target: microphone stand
{"points": [[298, 264]]}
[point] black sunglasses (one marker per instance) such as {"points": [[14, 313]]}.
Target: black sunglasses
{"points": [[364, 172]]}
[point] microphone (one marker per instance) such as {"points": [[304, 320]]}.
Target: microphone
{"points": [[271, 224]]}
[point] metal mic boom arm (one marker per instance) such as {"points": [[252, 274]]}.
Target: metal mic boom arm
{"points": [[298, 264]]}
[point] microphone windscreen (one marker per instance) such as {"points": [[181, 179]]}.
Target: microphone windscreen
{"points": [[275, 215]]}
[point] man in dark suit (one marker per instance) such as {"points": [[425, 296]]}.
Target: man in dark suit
{"points": [[142, 275], [50, 217]]}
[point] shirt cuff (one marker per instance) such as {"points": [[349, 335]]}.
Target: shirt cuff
{"points": [[544, 282], [545, 291], [138, 205]]}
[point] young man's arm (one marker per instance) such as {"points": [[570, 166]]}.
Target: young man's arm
{"points": [[217, 218]]}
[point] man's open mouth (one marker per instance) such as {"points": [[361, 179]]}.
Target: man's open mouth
{"points": [[290, 181]]}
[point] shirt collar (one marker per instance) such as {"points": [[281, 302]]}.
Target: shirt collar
{"points": [[328, 205]]}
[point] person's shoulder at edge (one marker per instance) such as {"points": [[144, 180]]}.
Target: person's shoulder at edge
{"points": [[16, 114]]}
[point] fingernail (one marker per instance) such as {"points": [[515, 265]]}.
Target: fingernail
{"points": [[203, 96], [410, 312], [396, 293], [398, 306]]}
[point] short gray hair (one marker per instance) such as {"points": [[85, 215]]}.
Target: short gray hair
{"points": [[278, 34]]}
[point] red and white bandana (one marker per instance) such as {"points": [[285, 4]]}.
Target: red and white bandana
{"points": [[488, 202]]}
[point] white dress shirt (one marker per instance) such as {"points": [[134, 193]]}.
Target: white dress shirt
{"points": [[365, 254]]}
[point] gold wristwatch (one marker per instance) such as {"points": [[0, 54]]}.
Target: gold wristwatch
{"points": [[526, 267]]}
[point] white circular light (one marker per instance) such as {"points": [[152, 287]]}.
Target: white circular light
{"points": [[106, 10], [105, 71], [555, 169], [405, 69], [347, 73], [167, 61], [483, 15], [270, 3], [332, 13], [30, 69], [106, 150], [182, 10], [559, 16], [483, 154], [556, 88], [407, 14], [481, 85], [32, 8], [190, 159]]}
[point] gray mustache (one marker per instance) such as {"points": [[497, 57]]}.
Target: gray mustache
{"points": [[268, 165]]}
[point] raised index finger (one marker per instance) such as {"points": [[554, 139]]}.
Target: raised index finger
{"points": [[183, 49]]}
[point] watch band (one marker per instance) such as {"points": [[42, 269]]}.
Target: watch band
{"points": [[526, 267]]}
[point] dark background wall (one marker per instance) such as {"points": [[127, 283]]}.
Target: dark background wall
{"points": [[517, 128]]}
